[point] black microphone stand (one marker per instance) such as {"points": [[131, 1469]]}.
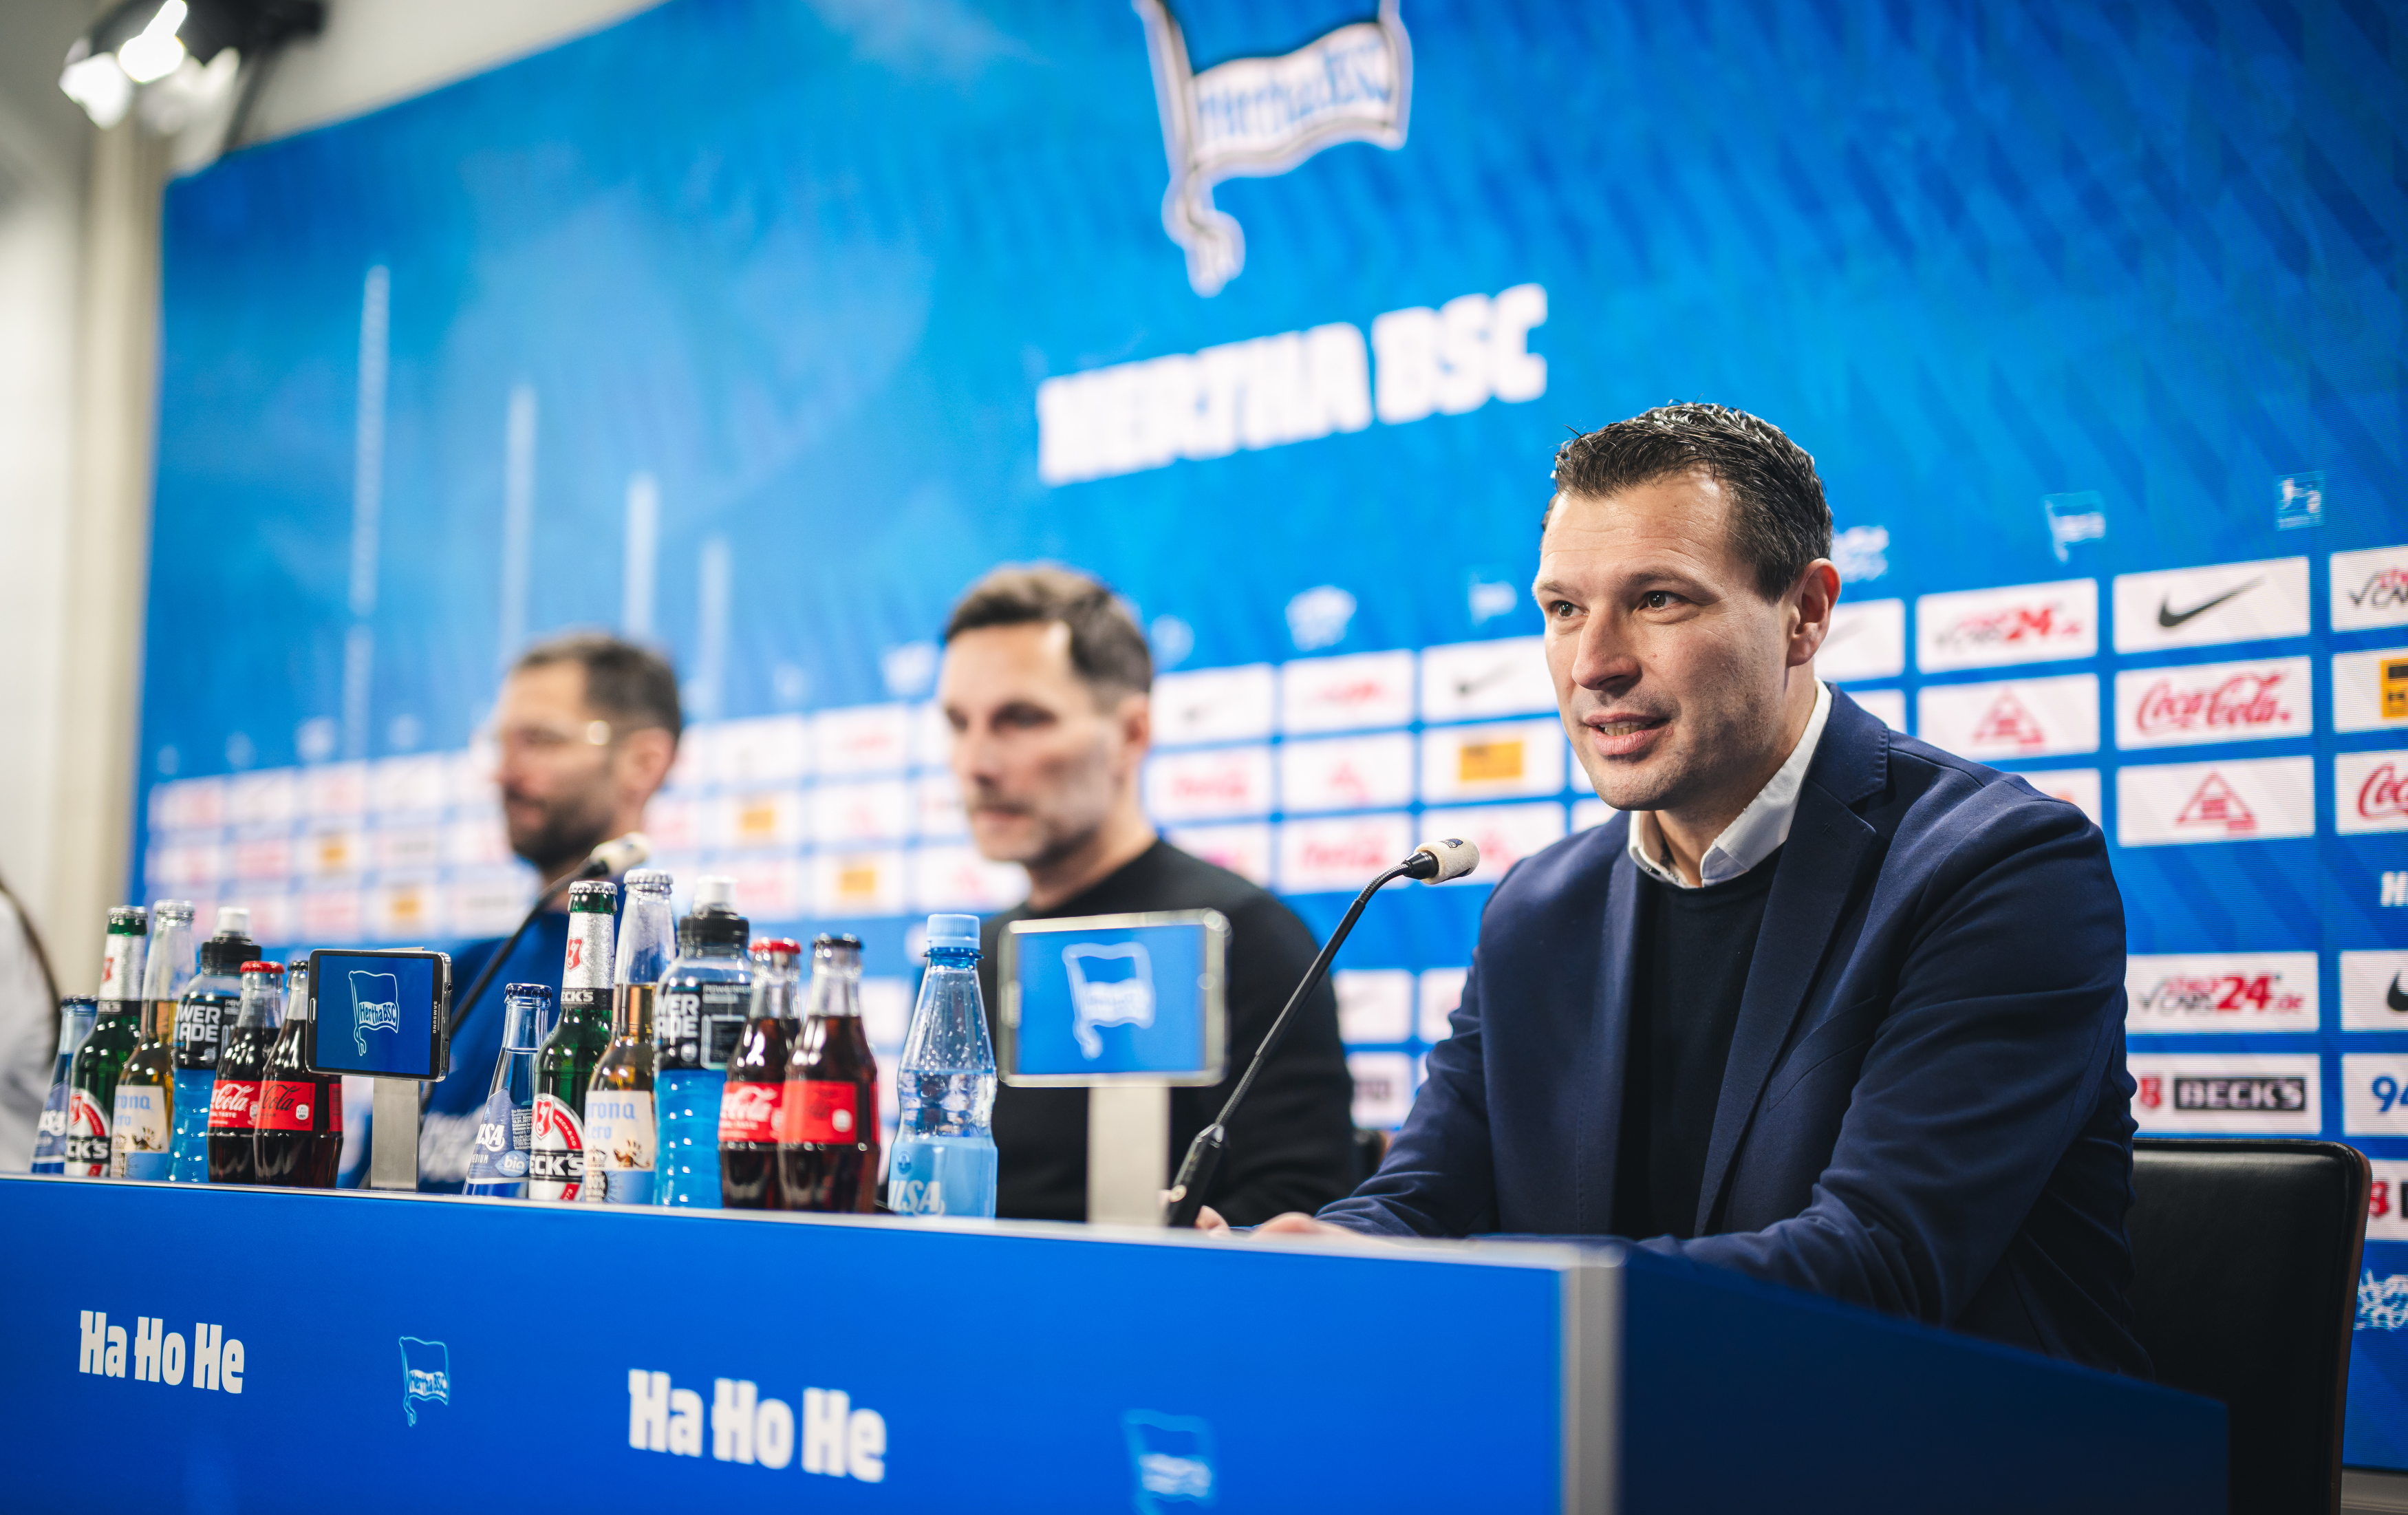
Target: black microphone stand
{"points": [[1187, 1195]]}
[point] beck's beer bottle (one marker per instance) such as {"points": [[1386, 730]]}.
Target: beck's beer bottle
{"points": [[116, 1029], [564, 1069]]}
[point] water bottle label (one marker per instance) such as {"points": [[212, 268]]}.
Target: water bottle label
{"points": [[619, 1133], [87, 1136], [300, 1105], [557, 1155], [138, 1132], [234, 1105], [822, 1110], [52, 1126], [750, 1112], [941, 1178]]}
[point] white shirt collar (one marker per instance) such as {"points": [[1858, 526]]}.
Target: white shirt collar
{"points": [[1751, 839]]}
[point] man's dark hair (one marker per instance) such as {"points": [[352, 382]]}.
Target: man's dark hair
{"points": [[1780, 522], [1106, 649], [633, 686]]}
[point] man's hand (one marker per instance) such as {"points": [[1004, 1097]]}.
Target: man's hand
{"points": [[1294, 1223]]}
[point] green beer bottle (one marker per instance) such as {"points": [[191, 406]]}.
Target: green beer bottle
{"points": [[564, 1066], [92, 1080], [142, 1113]]}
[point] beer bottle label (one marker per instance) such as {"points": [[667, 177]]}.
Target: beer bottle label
{"points": [[138, 1133], [293, 1104], [619, 1130], [87, 1136], [822, 1110], [120, 968], [588, 965], [234, 1105], [555, 1150], [749, 1113]]}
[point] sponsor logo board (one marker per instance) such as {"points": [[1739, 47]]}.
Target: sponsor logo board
{"points": [[1210, 784], [1886, 706], [2018, 717], [1341, 853], [1243, 850], [1476, 680], [2220, 992], [2386, 1221], [2369, 690], [958, 879], [1347, 773], [1346, 693], [2077, 787], [936, 805], [2226, 602], [863, 812], [2253, 799], [1383, 1088], [2369, 588], [1214, 705], [1867, 640], [771, 750], [848, 881], [862, 738], [2214, 702], [1493, 762], [1505, 834], [2374, 991], [2370, 792], [1437, 995], [2227, 1093], [1590, 813], [1992, 628], [1374, 1004], [2374, 1094]]}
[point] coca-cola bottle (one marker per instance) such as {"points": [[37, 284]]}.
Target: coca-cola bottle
{"points": [[620, 1137], [242, 1063], [116, 1030], [142, 1116], [204, 1016], [564, 1069], [827, 1123], [757, 1080], [299, 1137]]}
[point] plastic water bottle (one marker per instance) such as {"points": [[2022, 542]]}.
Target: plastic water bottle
{"points": [[705, 995], [498, 1164], [76, 1014], [944, 1142]]}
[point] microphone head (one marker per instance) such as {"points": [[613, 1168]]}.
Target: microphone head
{"points": [[1453, 858], [619, 854]]}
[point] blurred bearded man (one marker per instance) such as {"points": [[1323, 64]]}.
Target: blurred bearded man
{"points": [[585, 730], [1046, 685]]}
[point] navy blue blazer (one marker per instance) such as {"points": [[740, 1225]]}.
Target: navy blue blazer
{"points": [[1925, 1109]]}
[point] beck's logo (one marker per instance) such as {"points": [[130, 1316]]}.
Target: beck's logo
{"points": [[1260, 117], [2270, 1093]]}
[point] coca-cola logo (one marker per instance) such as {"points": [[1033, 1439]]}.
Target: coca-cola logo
{"points": [[2243, 701], [2017, 626], [749, 1104], [2384, 795], [1352, 852], [2385, 589]]}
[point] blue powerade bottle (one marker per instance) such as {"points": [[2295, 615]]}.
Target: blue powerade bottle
{"points": [[944, 1142], [705, 997], [203, 1016]]}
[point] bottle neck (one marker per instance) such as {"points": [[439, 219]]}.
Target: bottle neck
{"points": [[631, 1010], [958, 959]]}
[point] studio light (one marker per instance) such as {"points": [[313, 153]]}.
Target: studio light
{"points": [[185, 46]]}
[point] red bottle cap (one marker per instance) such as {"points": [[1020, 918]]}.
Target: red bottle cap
{"points": [[273, 969], [777, 943]]}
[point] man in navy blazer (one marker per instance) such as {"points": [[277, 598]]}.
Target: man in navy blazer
{"points": [[1822, 1004]]}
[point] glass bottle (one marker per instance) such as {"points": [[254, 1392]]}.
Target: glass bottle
{"points": [[142, 1115], [116, 1029], [242, 1063], [298, 1141], [757, 1080], [497, 1166], [76, 1014], [563, 1067], [619, 1140], [827, 1123]]}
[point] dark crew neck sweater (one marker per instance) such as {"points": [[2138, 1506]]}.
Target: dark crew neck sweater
{"points": [[1695, 946]]}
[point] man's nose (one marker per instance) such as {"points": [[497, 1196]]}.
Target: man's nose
{"points": [[1602, 659]]}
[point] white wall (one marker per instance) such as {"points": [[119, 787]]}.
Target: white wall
{"points": [[78, 326]]}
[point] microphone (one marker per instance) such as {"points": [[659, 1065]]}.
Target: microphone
{"points": [[1432, 862], [615, 857]]}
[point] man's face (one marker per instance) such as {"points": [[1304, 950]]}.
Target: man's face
{"points": [[560, 785], [1669, 667], [1040, 761]]}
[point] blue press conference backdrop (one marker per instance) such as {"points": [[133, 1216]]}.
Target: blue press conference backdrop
{"points": [[761, 329]]}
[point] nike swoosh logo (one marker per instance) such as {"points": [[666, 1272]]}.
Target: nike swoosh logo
{"points": [[2394, 998], [1466, 688], [2170, 617]]}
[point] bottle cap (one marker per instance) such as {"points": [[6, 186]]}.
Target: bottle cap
{"points": [[593, 894], [172, 909], [649, 879], [715, 892], [772, 945], [228, 951], [712, 926], [541, 992], [129, 920], [272, 970], [835, 939], [953, 931], [233, 921]]}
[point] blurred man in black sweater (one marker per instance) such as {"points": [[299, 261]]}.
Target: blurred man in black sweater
{"points": [[1045, 684]]}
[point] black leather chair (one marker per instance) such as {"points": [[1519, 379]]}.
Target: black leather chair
{"points": [[2246, 1257]]}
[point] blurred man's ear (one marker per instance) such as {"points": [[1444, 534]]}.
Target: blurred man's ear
{"points": [[644, 759], [1136, 717]]}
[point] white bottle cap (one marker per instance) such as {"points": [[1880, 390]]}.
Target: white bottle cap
{"points": [[714, 888], [233, 921]]}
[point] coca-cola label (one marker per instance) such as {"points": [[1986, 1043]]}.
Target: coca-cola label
{"points": [[2214, 702], [87, 1136], [749, 1112], [556, 1150], [2369, 588], [300, 1105], [2370, 792], [234, 1105], [137, 1132], [822, 1110], [619, 1133], [1339, 854], [1219, 781]]}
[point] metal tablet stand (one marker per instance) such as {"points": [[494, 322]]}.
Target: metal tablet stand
{"points": [[393, 1134]]}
